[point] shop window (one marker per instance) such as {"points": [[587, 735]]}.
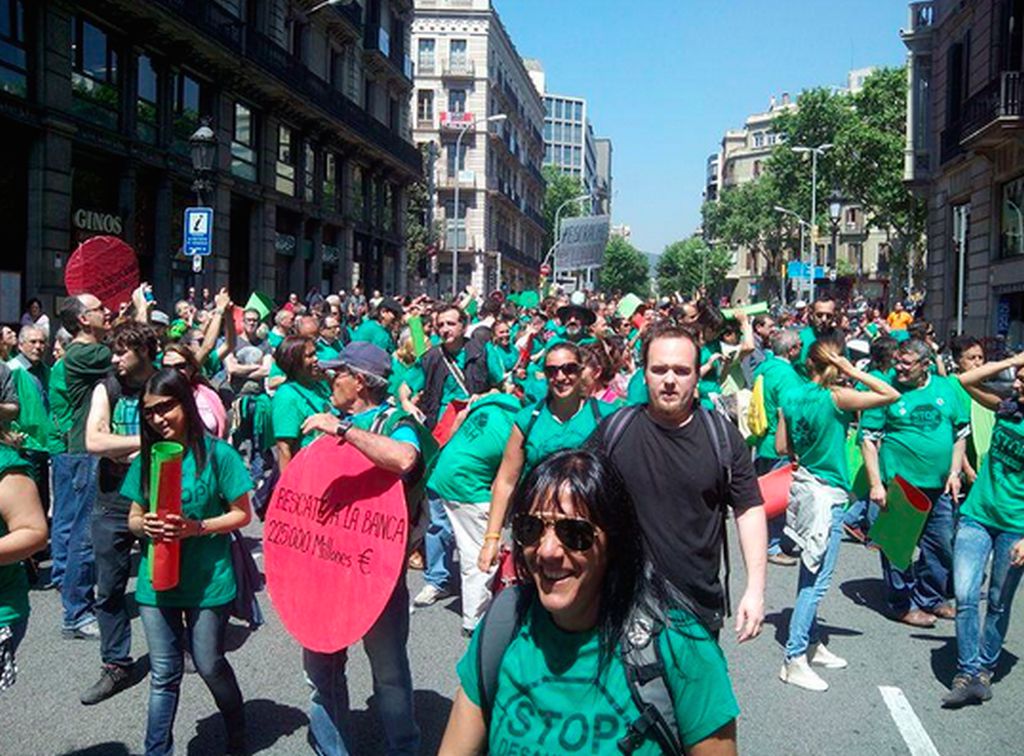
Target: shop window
{"points": [[1011, 226], [94, 80], [13, 55], [243, 143], [186, 107], [146, 104], [309, 173], [284, 180]]}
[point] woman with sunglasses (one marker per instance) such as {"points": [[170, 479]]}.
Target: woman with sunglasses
{"points": [[303, 394], [211, 408], [565, 419], [215, 502], [562, 683]]}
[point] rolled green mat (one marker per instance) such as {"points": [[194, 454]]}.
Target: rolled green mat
{"points": [[755, 308]]}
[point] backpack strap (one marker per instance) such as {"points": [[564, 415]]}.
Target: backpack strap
{"points": [[719, 434], [532, 422], [595, 410], [497, 629], [617, 425], [641, 656]]}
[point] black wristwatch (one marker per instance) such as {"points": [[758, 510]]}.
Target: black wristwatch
{"points": [[344, 426]]}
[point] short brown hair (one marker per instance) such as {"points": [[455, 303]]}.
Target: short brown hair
{"points": [[667, 329], [135, 337]]}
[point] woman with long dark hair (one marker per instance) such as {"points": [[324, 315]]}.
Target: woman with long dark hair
{"points": [[208, 402], [303, 394], [215, 502], [579, 552]]}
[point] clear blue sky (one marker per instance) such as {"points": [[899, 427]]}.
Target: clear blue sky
{"points": [[666, 78]]}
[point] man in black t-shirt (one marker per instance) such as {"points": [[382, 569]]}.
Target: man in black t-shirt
{"points": [[667, 457]]}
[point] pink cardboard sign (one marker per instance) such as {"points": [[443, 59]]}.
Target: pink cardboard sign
{"points": [[333, 544], [105, 267]]}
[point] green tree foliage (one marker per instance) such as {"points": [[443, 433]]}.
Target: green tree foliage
{"points": [[419, 235], [687, 265], [560, 188], [625, 269]]}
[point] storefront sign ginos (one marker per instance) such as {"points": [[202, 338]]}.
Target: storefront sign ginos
{"points": [[101, 223]]}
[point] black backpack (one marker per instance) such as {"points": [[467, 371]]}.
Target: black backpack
{"points": [[639, 653]]}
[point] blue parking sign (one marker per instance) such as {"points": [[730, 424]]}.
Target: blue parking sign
{"points": [[198, 231]]}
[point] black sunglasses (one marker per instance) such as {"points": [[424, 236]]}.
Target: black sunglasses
{"points": [[571, 369], [160, 408], [574, 534]]}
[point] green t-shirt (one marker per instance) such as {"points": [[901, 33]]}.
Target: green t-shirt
{"points": [[469, 461], [206, 575], [919, 430], [60, 410], [817, 432], [274, 339], [13, 578], [84, 366], [500, 360], [636, 390], [709, 384], [326, 351], [293, 403], [33, 417], [552, 696], [548, 434], [997, 497], [373, 332], [779, 377], [416, 379]]}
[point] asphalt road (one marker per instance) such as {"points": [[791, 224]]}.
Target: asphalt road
{"points": [[41, 714]]}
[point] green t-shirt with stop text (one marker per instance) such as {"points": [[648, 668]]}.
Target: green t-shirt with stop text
{"points": [[552, 697], [997, 496]]}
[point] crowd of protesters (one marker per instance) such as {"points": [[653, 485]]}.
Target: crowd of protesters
{"points": [[594, 449]]}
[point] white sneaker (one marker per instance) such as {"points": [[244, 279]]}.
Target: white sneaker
{"points": [[820, 656], [430, 594], [798, 672]]}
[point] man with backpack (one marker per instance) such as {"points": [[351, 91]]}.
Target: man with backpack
{"points": [[685, 469], [393, 442]]}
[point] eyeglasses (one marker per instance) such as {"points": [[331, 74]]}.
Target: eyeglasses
{"points": [[571, 370], [573, 533], [149, 411]]}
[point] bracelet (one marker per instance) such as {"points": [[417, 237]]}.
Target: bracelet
{"points": [[492, 536]]}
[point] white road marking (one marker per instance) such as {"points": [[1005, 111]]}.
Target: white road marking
{"points": [[910, 727]]}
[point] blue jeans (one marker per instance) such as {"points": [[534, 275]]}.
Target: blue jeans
{"points": [[810, 589], [166, 628], [75, 510], [857, 515], [385, 646], [978, 647], [439, 543], [929, 580], [112, 549], [60, 528]]}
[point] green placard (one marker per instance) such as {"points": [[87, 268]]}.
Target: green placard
{"points": [[628, 305], [755, 308], [899, 526], [420, 342], [261, 303]]}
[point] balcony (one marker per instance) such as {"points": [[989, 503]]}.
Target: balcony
{"points": [[990, 117], [920, 21], [511, 253], [463, 179], [458, 68], [386, 57], [210, 18], [352, 13]]}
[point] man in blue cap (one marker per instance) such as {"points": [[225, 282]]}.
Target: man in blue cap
{"points": [[359, 389]]}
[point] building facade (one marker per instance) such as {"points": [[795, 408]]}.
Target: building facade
{"points": [[861, 252], [603, 178], [98, 100], [468, 70], [965, 155]]}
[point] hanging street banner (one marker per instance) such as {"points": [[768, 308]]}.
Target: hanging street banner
{"points": [[582, 243]]}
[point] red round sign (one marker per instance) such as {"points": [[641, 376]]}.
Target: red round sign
{"points": [[545, 270], [105, 267], [334, 544]]}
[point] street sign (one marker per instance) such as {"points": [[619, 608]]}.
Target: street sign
{"points": [[198, 228], [797, 269]]}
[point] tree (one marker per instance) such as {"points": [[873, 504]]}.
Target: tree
{"points": [[561, 188], [419, 235], [687, 265], [625, 268]]}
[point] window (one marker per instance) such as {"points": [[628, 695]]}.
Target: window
{"points": [[457, 53], [337, 73], [368, 95], [1011, 225], [450, 154], [425, 105], [146, 104], [389, 207], [394, 114], [243, 143], [94, 80], [547, 131], [558, 108], [358, 197], [759, 139], [13, 56], [284, 180], [186, 99], [579, 112], [757, 168], [456, 100], [329, 195], [309, 173], [577, 134], [425, 59], [547, 153]]}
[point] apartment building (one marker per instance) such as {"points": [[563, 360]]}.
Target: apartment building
{"points": [[603, 178], [98, 100], [965, 155], [467, 70]]}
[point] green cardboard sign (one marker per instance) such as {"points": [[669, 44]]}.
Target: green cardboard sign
{"points": [[261, 303], [755, 308], [899, 526], [420, 342], [628, 305]]}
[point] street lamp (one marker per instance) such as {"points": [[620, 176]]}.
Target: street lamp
{"points": [[801, 223], [558, 230], [814, 151], [324, 4], [835, 212], [458, 154], [203, 150]]}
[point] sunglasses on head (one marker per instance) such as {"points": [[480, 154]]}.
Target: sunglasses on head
{"points": [[571, 369], [573, 533]]}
